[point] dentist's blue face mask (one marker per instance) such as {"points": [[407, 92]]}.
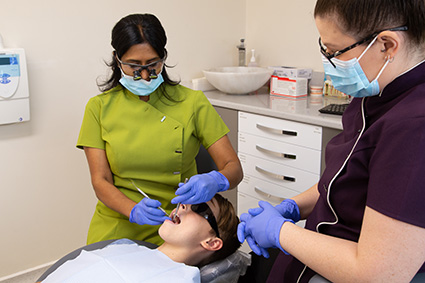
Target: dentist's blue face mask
{"points": [[349, 78], [141, 87]]}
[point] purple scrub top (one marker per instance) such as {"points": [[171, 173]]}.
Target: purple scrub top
{"points": [[377, 161]]}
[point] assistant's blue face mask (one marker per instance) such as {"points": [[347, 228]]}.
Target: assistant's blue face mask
{"points": [[141, 87], [349, 77]]}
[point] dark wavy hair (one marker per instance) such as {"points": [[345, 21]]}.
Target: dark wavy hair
{"points": [[131, 30]]}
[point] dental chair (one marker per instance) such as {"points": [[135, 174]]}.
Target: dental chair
{"points": [[227, 270]]}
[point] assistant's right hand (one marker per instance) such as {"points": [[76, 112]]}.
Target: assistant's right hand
{"points": [[147, 212]]}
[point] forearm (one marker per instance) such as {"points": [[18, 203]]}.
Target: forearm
{"points": [[227, 161], [331, 257], [112, 197], [388, 250], [233, 172], [306, 201]]}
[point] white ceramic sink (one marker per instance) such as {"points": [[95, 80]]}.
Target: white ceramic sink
{"points": [[238, 80]]}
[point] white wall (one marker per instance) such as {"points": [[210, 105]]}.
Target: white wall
{"points": [[283, 33], [46, 199]]}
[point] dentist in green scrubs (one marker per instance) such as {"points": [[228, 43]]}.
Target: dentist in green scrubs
{"points": [[144, 131]]}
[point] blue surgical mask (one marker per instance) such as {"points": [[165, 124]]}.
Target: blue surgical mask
{"points": [[349, 77], [141, 87]]}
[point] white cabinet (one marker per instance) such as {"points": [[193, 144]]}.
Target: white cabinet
{"points": [[280, 159]]}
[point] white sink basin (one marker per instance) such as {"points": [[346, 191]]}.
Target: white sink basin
{"points": [[238, 80]]}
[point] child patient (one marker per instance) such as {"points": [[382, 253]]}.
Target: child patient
{"points": [[201, 234]]}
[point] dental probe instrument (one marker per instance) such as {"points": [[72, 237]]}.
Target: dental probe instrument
{"points": [[146, 196], [178, 205]]}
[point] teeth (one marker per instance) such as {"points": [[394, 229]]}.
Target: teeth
{"points": [[176, 219]]}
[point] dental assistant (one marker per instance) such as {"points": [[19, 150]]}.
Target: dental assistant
{"points": [[366, 216], [143, 132]]}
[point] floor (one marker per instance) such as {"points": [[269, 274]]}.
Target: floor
{"points": [[30, 277]]}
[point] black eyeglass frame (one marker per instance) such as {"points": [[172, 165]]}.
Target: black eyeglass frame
{"points": [[137, 73], [370, 37], [205, 211]]}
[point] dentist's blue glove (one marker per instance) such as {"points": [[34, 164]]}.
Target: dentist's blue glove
{"points": [[201, 188], [264, 228], [147, 212], [288, 208]]}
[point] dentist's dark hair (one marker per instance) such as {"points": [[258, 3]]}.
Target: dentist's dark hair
{"points": [[131, 30], [361, 18]]}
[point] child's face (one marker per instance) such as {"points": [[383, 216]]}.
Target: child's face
{"points": [[192, 229]]}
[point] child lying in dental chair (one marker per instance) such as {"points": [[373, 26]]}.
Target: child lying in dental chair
{"points": [[199, 235]]}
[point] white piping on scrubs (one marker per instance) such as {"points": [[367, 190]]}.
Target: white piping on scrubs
{"points": [[335, 176]]}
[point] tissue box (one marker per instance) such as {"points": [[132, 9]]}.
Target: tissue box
{"points": [[288, 87], [291, 72]]}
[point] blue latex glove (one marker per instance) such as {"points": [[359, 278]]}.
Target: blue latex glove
{"points": [[201, 188], [264, 228], [242, 235], [288, 208], [147, 212]]}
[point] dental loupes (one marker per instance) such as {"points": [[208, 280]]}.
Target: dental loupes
{"points": [[146, 196]]}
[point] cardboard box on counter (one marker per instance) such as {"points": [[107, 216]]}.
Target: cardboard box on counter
{"points": [[291, 72], [289, 87]]}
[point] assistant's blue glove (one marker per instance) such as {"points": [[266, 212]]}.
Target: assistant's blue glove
{"points": [[288, 208], [147, 212], [201, 188], [264, 228], [242, 235]]}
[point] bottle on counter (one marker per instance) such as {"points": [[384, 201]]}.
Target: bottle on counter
{"points": [[252, 62]]}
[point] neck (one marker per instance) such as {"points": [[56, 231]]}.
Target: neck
{"points": [[144, 98], [400, 66], [190, 256]]}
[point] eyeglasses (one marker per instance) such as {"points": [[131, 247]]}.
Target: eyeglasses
{"points": [[205, 211], [136, 69], [337, 53]]}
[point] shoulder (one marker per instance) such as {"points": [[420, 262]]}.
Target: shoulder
{"points": [[181, 92], [106, 97]]}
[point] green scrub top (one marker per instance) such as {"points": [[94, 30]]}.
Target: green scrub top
{"points": [[153, 143]]}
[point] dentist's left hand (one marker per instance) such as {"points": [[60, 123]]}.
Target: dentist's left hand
{"points": [[201, 188], [147, 212]]}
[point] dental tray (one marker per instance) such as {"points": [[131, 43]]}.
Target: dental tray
{"points": [[335, 109]]}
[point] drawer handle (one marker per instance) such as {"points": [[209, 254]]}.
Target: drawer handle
{"points": [[274, 175], [267, 195], [275, 153], [277, 131]]}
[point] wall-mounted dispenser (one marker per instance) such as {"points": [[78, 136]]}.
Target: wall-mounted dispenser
{"points": [[14, 92]]}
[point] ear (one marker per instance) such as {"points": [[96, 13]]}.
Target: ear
{"points": [[389, 43], [213, 244]]}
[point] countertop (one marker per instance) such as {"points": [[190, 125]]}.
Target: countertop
{"points": [[261, 102]]}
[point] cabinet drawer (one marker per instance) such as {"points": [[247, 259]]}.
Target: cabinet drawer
{"points": [[264, 190], [283, 153], [281, 175], [281, 130]]}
